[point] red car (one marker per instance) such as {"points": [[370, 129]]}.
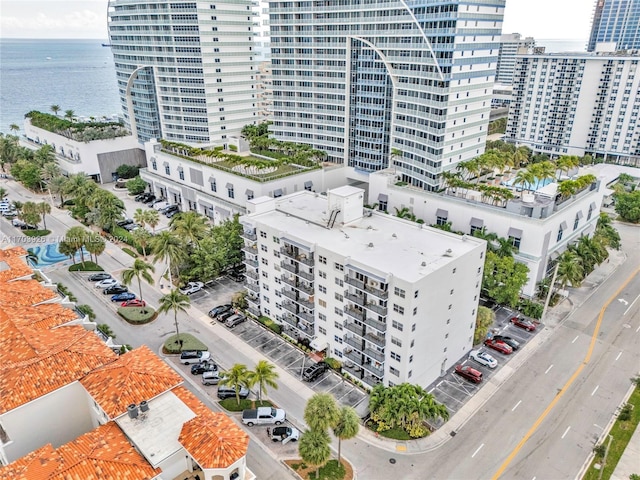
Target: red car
{"points": [[528, 325], [469, 373], [134, 303], [498, 345]]}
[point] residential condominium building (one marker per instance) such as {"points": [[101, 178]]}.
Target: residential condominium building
{"points": [[218, 192], [510, 45], [540, 225], [577, 104], [615, 22], [402, 82], [72, 408], [394, 298], [185, 69]]}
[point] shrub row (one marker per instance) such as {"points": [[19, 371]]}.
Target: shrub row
{"points": [[270, 324]]}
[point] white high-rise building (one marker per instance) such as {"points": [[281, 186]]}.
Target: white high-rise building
{"points": [[577, 104], [407, 83], [510, 45], [185, 69], [395, 298]]}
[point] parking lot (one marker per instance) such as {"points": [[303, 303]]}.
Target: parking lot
{"points": [[454, 391]]}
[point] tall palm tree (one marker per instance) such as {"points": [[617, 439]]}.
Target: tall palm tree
{"points": [[152, 218], [321, 411], [55, 109], [177, 302], [142, 238], [524, 177], [69, 114], [263, 375], [237, 377], [168, 246], [346, 427], [43, 209], [139, 216], [56, 187], [140, 270], [76, 237], [570, 270], [95, 245], [14, 127], [314, 448], [190, 226]]}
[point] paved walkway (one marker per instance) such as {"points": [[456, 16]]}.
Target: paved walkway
{"points": [[630, 461]]}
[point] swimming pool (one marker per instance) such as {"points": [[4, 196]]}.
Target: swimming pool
{"points": [[536, 185]]}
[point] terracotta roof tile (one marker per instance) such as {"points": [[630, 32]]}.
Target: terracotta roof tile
{"points": [[25, 293], [15, 266], [135, 376], [43, 316], [211, 438], [36, 362], [101, 454]]}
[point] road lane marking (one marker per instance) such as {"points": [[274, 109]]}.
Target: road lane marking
{"points": [[595, 390], [630, 306], [574, 340], [519, 402], [637, 329], [547, 370], [618, 357], [479, 448], [560, 394], [566, 431]]}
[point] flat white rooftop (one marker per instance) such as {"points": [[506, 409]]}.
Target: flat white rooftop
{"points": [[155, 433], [380, 243]]}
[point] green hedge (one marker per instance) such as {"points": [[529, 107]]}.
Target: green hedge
{"points": [[270, 324], [137, 315], [89, 266], [333, 363], [231, 404], [36, 233], [130, 252], [189, 342]]}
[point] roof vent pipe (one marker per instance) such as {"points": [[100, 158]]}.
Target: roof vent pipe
{"points": [[132, 410], [144, 406]]}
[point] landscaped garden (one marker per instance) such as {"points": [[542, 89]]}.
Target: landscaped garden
{"points": [[183, 341]]}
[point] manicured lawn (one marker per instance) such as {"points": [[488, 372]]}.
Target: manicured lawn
{"points": [[231, 404], [88, 267], [36, 233], [138, 315], [392, 433], [621, 433], [128, 251], [330, 471], [189, 342]]}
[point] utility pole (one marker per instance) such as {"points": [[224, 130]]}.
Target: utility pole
{"points": [[550, 292], [604, 460]]}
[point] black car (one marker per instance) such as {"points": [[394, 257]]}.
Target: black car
{"points": [[314, 371], [98, 277], [219, 310], [509, 341], [230, 392], [237, 276], [26, 226], [171, 210], [150, 198], [131, 227], [223, 316], [125, 222], [200, 368], [143, 196], [172, 213], [115, 289]]}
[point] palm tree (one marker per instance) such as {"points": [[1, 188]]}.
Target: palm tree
{"points": [[524, 177], [346, 427], [56, 187], [139, 216], [570, 270], [55, 109], [3, 193], [168, 247], [152, 218], [321, 411], [14, 127], [69, 114], [237, 377], [142, 238], [314, 448], [263, 375], [95, 245], [30, 213], [140, 270], [76, 237], [190, 226], [69, 249], [177, 302], [43, 209]]}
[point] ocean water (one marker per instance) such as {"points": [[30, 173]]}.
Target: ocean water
{"points": [[77, 75]]}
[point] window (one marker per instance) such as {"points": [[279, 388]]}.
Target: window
{"points": [[338, 266], [515, 242], [395, 356], [322, 260], [249, 195], [322, 288], [576, 221], [276, 240], [339, 282], [338, 325], [394, 371], [181, 173], [276, 253], [265, 298], [214, 187], [339, 297], [451, 292], [410, 373], [154, 164], [589, 213], [264, 248], [398, 309], [167, 170], [415, 294], [560, 232], [410, 358], [230, 192], [322, 303], [382, 205], [337, 338], [322, 274], [415, 310], [263, 234], [413, 342], [441, 220], [413, 327], [265, 287], [265, 261], [399, 292], [454, 270], [323, 331], [265, 274], [396, 341], [450, 306], [322, 317], [397, 325]]}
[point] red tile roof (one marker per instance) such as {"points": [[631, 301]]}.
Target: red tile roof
{"points": [[17, 265], [211, 438], [135, 376], [22, 293], [101, 454], [43, 316]]}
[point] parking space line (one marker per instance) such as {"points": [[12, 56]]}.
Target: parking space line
{"points": [[618, 357], [516, 406], [595, 390], [574, 340], [632, 303], [566, 431], [476, 452], [547, 370]]}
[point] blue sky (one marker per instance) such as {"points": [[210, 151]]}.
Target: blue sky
{"points": [[561, 19]]}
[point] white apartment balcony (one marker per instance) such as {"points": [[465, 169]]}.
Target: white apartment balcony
{"points": [[300, 273], [363, 302], [383, 294]]}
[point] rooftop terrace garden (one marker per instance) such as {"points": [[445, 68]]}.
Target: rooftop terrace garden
{"points": [[78, 131]]}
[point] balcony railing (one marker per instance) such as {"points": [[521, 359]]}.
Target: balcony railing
{"points": [[353, 356], [253, 300], [249, 235], [380, 326], [352, 327], [356, 358], [357, 299], [252, 287], [254, 311], [251, 274], [375, 339], [383, 294], [371, 381], [297, 285], [291, 268], [252, 263], [290, 319], [300, 301], [298, 257], [379, 372], [250, 250]]}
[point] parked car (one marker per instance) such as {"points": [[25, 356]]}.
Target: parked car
{"points": [[285, 434], [165, 209], [235, 320], [123, 297], [27, 226], [230, 392], [210, 378], [237, 276], [509, 341], [498, 345], [314, 371], [469, 373], [150, 199], [521, 322], [215, 311], [126, 221], [17, 223], [115, 290], [107, 282], [483, 358], [98, 277], [10, 213], [134, 302], [191, 287], [160, 205], [206, 366], [144, 196], [172, 213], [223, 316], [169, 210], [194, 356], [263, 416]]}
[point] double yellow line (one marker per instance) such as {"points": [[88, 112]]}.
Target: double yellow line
{"points": [[565, 387]]}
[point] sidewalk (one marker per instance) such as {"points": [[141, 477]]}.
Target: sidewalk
{"points": [[630, 461], [555, 315]]}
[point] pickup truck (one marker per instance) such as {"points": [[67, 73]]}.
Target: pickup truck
{"points": [[263, 416]]}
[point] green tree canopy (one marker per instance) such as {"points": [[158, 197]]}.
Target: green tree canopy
{"points": [[264, 375], [237, 377], [627, 206], [321, 411], [504, 278], [314, 448]]}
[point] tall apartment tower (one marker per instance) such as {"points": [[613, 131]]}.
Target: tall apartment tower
{"points": [[616, 22], [375, 82], [510, 45], [577, 104], [185, 69]]}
